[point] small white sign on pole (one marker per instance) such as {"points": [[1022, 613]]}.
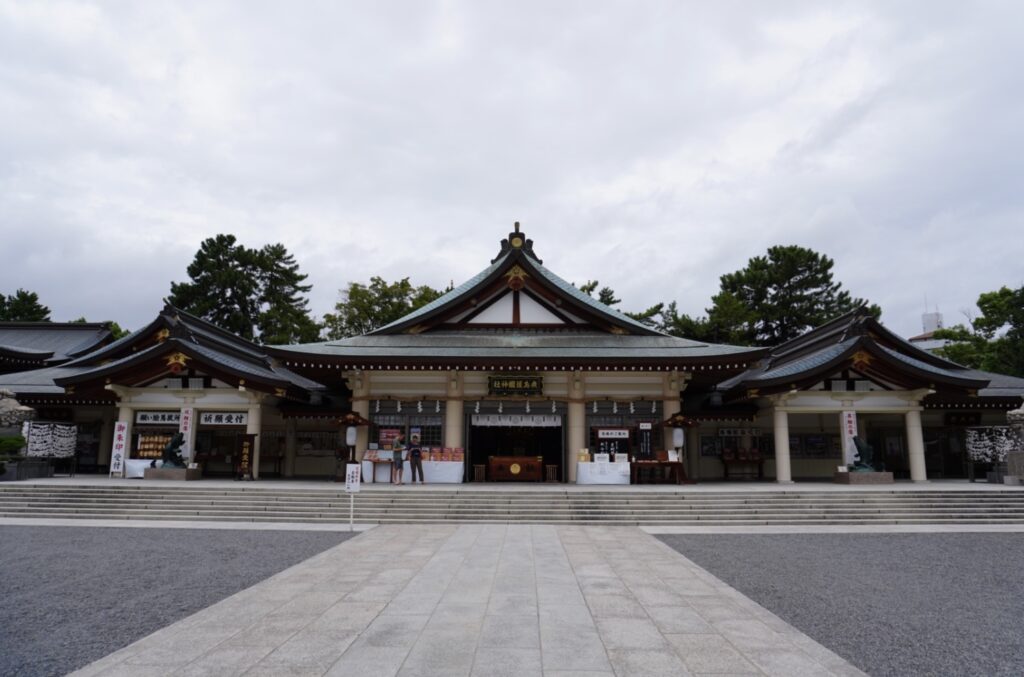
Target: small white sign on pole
{"points": [[119, 450], [352, 478], [849, 423]]}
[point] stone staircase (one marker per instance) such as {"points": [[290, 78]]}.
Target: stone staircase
{"points": [[542, 506]]}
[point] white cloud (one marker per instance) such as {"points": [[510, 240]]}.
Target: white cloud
{"points": [[652, 146]]}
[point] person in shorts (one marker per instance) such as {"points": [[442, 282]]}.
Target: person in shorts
{"points": [[397, 450], [416, 458]]}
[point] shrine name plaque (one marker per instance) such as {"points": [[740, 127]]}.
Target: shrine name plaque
{"points": [[515, 468]]}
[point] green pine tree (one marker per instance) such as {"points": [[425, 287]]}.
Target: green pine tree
{"points": [[363, 308], [284, 316], [23, 306]]}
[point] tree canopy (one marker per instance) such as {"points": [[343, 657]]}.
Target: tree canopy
{"points": [[995, 340], [363, 308], [23, 306], [257, 294], [774, 299], [115, 328]]}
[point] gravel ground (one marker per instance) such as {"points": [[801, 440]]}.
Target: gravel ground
{"points": [[71, 595], [892, 604]]}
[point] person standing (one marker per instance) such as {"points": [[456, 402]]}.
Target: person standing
{"points": [[397, 450], [416, 458]]}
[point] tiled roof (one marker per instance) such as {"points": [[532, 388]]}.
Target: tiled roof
{"points": [[63, 340]]}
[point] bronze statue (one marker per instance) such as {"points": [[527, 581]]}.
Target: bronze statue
{"points": [[172, 453], [865, 461]]}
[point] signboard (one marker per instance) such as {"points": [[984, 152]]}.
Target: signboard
{"points": [[848, 421], [739, 432], [185, 428], [119, 449], [515, 385], [246, 452], [223, 418], [151, 417], [645, 441], [962, 418], [613, 441], [352, 471]]}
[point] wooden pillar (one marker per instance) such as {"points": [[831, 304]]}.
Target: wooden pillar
{"points": [[576, 423], [692, 452], [783, 474], [253, 427], [106, 437], [359, 383], [915, 446], [454, 419], [290, 426]]}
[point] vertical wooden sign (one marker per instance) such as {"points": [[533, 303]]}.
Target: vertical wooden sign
{"points": [[246, 449]]}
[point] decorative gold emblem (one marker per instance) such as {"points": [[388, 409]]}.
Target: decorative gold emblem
{"points": [[514, 468], [861, 359], [176, 362], [516, 242], [279, 392], [162, 335], [516, 277]]}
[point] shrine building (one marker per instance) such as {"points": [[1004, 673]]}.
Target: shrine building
{"points": [[514, 375]]}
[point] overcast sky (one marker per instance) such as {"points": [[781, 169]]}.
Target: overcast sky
{"points": [[653, 146]]}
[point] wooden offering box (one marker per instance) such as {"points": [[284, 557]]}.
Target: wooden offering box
{"points": [[515, 468]]}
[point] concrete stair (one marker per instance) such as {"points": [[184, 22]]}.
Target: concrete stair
{"points": [[542, 506]]}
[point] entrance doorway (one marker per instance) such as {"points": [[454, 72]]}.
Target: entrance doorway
{"points": [[515, 441]]}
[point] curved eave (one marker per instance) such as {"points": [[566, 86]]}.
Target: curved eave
{"points": [[895, 370], [144, 364]]}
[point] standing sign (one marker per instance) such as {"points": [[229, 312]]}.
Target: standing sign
{"points": [[120, 448], [352, 478], [849, 424], [644, 441], [185, 428], [246, 449]]}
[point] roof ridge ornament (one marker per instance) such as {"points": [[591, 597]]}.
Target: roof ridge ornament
{"points": [[517, 240]]}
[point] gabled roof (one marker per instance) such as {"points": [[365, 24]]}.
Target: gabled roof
{"points": [[857, 341], [37, 344], [517, 267], [175, 341], [574, 329]]}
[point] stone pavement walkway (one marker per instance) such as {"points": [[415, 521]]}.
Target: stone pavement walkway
{"points": [[483, 600]]}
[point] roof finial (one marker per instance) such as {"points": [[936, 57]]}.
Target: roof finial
{"points": [[517, 226]]}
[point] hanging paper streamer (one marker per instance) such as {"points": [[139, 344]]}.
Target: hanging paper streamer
{"points": [[595, 407], [399, 402], [632, 408], [476, 409], [527, 406], [615, 407], [437, 406], [419, 406], [376, 408], [554, 406]]}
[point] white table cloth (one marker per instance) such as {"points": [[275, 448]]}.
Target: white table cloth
{"points": [[434, 472], [602, 473], [135, 468]]}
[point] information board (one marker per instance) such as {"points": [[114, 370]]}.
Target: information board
{"points": [[613, 441], [352, 478], [645, 441]]}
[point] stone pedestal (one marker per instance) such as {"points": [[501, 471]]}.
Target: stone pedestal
{"points": [[862, 478], [181, 474]]}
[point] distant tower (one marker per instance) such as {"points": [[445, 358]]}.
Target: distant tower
{"points": [[931, 321]]}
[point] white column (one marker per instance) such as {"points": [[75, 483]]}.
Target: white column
{"points": [[359, 383], [252, 427], [362, 407], [576, 438], [783, 474], [454, 419], [289, 447], [915, 446], [576, 423]]}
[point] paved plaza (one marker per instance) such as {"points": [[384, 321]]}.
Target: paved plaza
{"points": [[483, 600]]}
